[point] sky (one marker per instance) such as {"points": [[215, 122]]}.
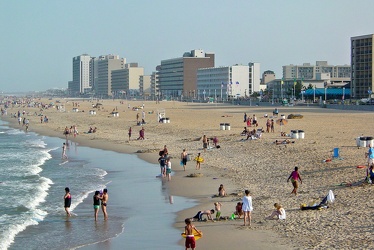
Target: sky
{"points": [[39, 38]]}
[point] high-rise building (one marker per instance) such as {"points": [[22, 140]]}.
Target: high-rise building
{"points": [[254, 77], [106, 64], [145, 85], [178, 76], [154, 86], [127, 79], [362, 83], [267, 76], [81, 75]]}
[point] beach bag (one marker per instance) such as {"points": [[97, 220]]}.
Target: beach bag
{"points": [[181, 163]]}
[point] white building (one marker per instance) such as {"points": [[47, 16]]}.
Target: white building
{"points": [[81, 74], [224, 82], [255, 78], [313, 72]]}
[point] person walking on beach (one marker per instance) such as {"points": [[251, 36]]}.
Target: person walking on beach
{"points": [[205, 143], [104, 201], [190, 238], [272, 125], [245, 117], [295, 176], [137, 117], [96, 203], [247, 208], [130, 131], [198, 160], [168, 169], [162, 161], [184, 159], [64, 156], [67, 201]]}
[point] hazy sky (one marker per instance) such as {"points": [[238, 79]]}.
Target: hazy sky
{"points": [[39, 38]]}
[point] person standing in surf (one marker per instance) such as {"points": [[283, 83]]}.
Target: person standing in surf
{"points": [[64, 156], [96, 203], [67, 201], [104, 200]]}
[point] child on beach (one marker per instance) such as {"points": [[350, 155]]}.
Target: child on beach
{"points": [[239, 210], [190, 238], [247, 207], [198, 160], [295, 176], [168, 169], [279, 212], [217, 207], [221, 191]]}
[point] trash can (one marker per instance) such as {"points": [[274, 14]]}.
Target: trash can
{"points": [[167, 120], [222, 126], [164, 120], [294, 134], [369, 141], [227, 126], [357, 141], [362, 141], [301, 134], [283, 116]]}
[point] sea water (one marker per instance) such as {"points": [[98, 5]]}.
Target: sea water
{"points": [[33, 178]]}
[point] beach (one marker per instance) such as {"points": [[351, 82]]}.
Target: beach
{"points": [[258, 165]]}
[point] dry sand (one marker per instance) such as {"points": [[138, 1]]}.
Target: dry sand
{"points": [[257, 165]]}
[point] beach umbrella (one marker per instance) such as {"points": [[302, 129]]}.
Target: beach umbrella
{"points": [[281, 122]]}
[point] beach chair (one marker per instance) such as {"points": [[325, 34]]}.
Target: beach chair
{"points": [[258, 133]]}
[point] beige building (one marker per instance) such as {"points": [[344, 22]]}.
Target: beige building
{"points": [[178, 76], [362, 83], [127, 79], [145, 85]]}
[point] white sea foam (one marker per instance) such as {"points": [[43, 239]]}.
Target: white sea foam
{"points": [[37, 143], [14, 132], [18, 225]]}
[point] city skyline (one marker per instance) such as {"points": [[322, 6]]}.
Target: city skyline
{"points": [[40, 38]]}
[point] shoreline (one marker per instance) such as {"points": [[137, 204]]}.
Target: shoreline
{"points": [[178, 187], [257, 165]]}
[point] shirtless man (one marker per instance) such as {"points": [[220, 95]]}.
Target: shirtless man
{"points": [[184, 159], [104, 200], [208, 213]]}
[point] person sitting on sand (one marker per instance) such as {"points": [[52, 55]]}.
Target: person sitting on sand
{"points": [[239, 210], [221, 191], [245, 131], [90, 130], [283, 142], [251, 134], [208, 213], [279, 212]]}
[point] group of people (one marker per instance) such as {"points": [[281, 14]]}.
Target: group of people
{"points": [[165, 163], [98, 199], [73, 130]]}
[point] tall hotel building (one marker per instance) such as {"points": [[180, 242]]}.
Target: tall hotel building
{"points": [[81, 75], [362, 83], [178, 76], [104, 73], [313, 72]]}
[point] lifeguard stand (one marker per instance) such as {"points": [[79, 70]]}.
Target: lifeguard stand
{"points": [[161, 114]]}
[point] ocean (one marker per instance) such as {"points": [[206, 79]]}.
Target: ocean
{"points": [[33, 178]]}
